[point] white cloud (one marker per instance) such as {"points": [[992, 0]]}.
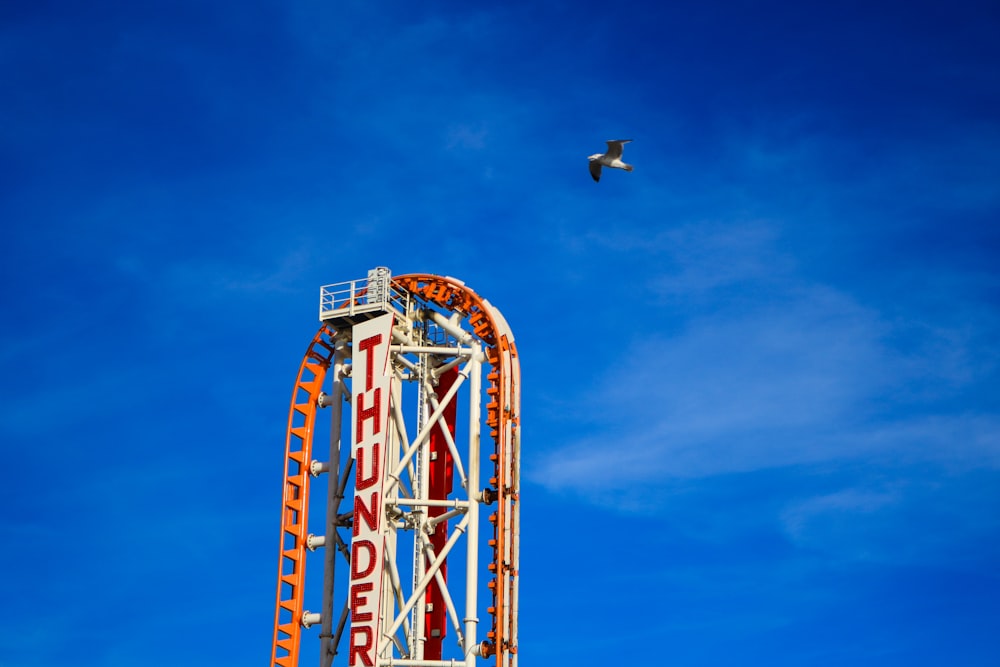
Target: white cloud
{"points": [[803, 380], [729, 392], [909, 517], [798, 516]]}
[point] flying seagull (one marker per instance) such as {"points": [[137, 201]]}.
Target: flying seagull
{"points": [[613, 158]]}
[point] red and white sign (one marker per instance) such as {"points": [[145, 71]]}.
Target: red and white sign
{"points": [[369, 431]]}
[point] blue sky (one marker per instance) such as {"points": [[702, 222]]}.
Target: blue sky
{"points": [[761, 372]]}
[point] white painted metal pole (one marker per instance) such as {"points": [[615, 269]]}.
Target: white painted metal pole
{"points": [[426, 431], [446, 596], [327, 649], [472, 537], [432, 349], [516, 441], [460, 334], [421, 490], [434, 567], [452, 447]]}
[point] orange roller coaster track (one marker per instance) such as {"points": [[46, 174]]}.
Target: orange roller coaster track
{"points": [[470, 320], [295, 499]]}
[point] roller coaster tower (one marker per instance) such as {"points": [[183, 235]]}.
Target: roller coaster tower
{"points": [[421, 524]]}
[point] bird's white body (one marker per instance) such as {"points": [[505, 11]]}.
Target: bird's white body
{"points": [[612, 158]]}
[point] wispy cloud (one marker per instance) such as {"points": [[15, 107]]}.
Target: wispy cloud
{"points": [[808, 375], [914, 515], [729, 393]]}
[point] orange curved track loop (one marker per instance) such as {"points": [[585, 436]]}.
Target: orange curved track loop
{"points": [[295, 500], [503, 420]]}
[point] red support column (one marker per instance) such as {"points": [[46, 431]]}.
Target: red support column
{"points": [[441, 479]]}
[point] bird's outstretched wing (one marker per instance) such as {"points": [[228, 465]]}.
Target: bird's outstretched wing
{"points": [[615, 147], [595, 170]]}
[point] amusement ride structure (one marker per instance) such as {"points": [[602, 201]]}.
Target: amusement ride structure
{"points": [[421, 527]]}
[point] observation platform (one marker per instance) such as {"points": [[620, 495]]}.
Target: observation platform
{"points": [[345, 304]]}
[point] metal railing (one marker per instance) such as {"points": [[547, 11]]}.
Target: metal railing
{"points": [[375, 293]]}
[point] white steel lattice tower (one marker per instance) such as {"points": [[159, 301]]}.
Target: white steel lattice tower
{"points": [[419, 541]]}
